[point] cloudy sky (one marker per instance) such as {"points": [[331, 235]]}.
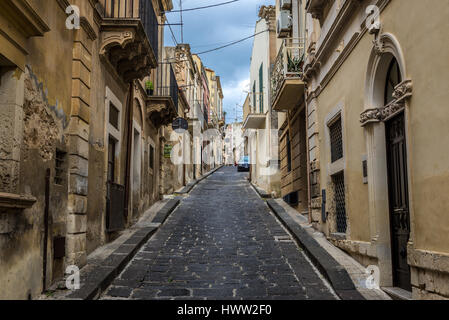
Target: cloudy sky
{"points": [[210, 28]]}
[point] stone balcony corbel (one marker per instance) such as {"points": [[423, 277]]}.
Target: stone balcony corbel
{"points": [[125, 47], [161, 110], [15, 201]]}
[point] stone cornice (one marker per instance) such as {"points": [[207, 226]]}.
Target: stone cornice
{"points": [[23, 16], [63, 4], [315, 63], [85, 24]]}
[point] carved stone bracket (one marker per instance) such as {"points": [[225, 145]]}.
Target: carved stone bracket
{"points": [[125, 46], [401, 92], [161, 111], [15, 201]]}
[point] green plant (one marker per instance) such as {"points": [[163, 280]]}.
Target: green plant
{"points": [[295, 64], [149, 85]]}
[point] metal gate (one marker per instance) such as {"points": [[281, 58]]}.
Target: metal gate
{"points": [[398, 198], [340, 203], [115, 207]]}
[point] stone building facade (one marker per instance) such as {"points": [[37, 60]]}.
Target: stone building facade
{"points": [[287, 97], [261, 123], [86, 106], [376, 174]]}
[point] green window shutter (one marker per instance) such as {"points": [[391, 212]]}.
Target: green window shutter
{"points": [[254, 96], [261, 88]]}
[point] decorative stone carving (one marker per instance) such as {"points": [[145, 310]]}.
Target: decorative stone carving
{"points": [[126, 47], [378, 46], [269, 14], [115, 38], [401, 92], [160, 111]]}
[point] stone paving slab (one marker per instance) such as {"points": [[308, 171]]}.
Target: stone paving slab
{"points": [[163, 214], [97, 277], [220, 243], [261, 192], [334, 272], [185, 190]]}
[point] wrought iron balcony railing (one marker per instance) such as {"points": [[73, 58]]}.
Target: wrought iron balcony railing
{"points": [[134, 10], [289, 64], [166, 85]]}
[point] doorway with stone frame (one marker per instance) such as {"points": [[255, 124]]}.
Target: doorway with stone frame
{"points": [[385, 122]]}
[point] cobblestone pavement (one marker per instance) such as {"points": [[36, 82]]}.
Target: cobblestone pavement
{"points": [[221, 243]]}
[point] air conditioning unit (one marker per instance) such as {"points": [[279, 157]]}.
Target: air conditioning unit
{"points": [[284, 24], [285, 4]]}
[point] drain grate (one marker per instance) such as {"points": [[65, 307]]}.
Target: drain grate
{"points": [[282, 239]]}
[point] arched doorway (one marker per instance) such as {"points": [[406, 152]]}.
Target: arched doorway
{"points": [[385, 122], [397, 183]]}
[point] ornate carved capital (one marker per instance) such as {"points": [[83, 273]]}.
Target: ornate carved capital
{"points": [[370, 115], [401, 92]]}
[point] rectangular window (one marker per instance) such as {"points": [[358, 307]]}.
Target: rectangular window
{"points": [[340, 204], [336, 139], [261, 88], [151, 157], [114, 114], [365, 171], [289, 153], [111, 159], [59, 166]]}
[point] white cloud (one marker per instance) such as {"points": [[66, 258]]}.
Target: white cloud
{"points": [[235, 93]]}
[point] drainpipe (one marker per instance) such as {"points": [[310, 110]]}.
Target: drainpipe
{"points": [[129, 118]]}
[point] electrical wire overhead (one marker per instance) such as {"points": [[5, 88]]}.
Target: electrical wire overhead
{"points": [[204, 7], [172, 33], [232, 43]]}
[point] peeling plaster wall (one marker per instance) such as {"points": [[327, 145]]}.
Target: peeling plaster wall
{"points": [[21, 245]]}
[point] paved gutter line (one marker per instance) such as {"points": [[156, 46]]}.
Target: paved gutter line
{"points": [[192, 184], [102, 274], [334, 272], [261, 192]]}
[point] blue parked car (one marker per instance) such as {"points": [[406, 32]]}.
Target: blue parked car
{"points": [[243, 164]]}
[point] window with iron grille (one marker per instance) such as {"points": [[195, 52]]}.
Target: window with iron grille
{"points": [[59, 166], [340, 204], [336, 139], [113, 116], [365, 171]]}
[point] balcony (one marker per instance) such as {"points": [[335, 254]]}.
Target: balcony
{"points": [[129, 37], [254, 115], [162, 105], [315, 7], [287, 78], [212, 119]]}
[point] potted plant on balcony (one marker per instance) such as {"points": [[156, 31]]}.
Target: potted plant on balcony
{"points": [[295, 64], [149, 87]]}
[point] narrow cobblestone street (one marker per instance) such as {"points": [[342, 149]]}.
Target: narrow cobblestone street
{"points": [[221, 243]]}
